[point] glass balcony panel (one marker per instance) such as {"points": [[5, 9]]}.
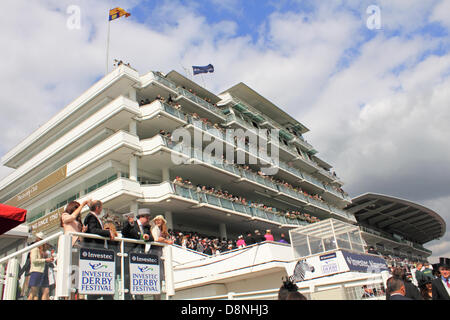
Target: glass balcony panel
{"points": [[213, 200], [227, 204]]}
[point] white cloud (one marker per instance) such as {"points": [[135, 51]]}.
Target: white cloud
{"points": [[440, 13], [384, 132]]}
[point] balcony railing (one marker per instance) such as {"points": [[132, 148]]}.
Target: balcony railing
{"points": [[188, 95], [203, 197], [219, 163], [253, 151]]}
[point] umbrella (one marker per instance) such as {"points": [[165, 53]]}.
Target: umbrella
{"points": [[10, 217]]}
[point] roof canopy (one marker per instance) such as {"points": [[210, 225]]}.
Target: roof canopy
{"points": [[398, 216]]}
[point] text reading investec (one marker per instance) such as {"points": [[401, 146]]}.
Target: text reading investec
{"points": [[144, 274], [97, 271]]}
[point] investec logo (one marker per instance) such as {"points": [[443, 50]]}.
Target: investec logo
{"points": [[244, 139]]}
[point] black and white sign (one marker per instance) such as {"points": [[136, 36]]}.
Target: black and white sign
{"points": [[96, 271], [144, 274]]}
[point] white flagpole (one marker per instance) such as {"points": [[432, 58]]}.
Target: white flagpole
{"points": [[107, 46]]}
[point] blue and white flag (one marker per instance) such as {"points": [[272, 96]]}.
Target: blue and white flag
{"points": [[205, 69]]}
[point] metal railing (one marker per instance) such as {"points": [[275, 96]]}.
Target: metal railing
{"points": [[64, 258]]}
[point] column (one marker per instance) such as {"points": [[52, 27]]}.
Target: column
{"points": [[132, 94], [134, 207], [223, 231], [169, 218], [133, 168], [133, 127], [165, 174]]}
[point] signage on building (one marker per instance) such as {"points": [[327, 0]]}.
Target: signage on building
{"points": [[364, 263], [320, 266], [96, 271], [47, 222], [38, 187], [144, 274]]}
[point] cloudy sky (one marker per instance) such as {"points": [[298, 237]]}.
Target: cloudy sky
{"points": [[371, 79]]}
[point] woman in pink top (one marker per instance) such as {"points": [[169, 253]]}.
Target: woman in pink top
{"points": [[71, 219], [268, 235], [240, 243]]}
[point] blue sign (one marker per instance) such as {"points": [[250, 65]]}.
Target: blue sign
{"points": [[364, 262]]}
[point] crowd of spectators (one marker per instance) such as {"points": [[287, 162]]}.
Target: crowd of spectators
{"points": [[237, 139], [291, 214], [211, 245]]}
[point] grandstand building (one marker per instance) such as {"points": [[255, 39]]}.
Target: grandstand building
{"points": [[396, 227], [119, 142]]}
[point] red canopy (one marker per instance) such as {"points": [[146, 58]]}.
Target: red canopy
{"points": [[10, 217]]}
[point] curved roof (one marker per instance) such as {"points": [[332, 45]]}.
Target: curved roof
{"points": [[399, 216]]}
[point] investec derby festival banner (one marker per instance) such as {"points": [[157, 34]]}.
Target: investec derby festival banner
{"points": [[319, 266], [144, 274], [96, 271], [364, 262]]}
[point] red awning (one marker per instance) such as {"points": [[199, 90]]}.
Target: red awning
{"points": [[11, 217]]}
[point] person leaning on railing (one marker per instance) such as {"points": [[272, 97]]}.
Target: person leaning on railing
{"points": [[71, 219]]}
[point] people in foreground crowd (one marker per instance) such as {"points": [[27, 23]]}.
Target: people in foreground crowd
{"points": [[441, 285], [289, 291], [396, 289], [38, 275], [411, 291]]}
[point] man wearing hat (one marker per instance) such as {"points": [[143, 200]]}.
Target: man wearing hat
{"points": [[135, 229], [138, 229], [441, 285]]}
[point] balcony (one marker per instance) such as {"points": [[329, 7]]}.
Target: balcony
{"points": [[182, 93], [202, 198]]}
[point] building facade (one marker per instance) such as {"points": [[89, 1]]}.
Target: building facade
{"points": [[114, 144]]}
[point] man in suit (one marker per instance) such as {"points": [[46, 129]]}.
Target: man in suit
{"points": [[441, 285], [138, 229], [411, 291], [396, 289], [95, 226]]}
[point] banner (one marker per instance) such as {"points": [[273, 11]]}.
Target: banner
{"points": [[336, 262], [364, 262], [96, 271], [144, 274]]}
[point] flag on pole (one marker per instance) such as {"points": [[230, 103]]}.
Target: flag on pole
{"points": [[205, 69], [117, 13]]}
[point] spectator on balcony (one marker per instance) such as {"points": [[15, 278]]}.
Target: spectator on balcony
{"points": [[71, 220], [95, 225], [283, 239], [268, 236], [259, 237], [158, 227], [240, 243], [249, 239]]}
